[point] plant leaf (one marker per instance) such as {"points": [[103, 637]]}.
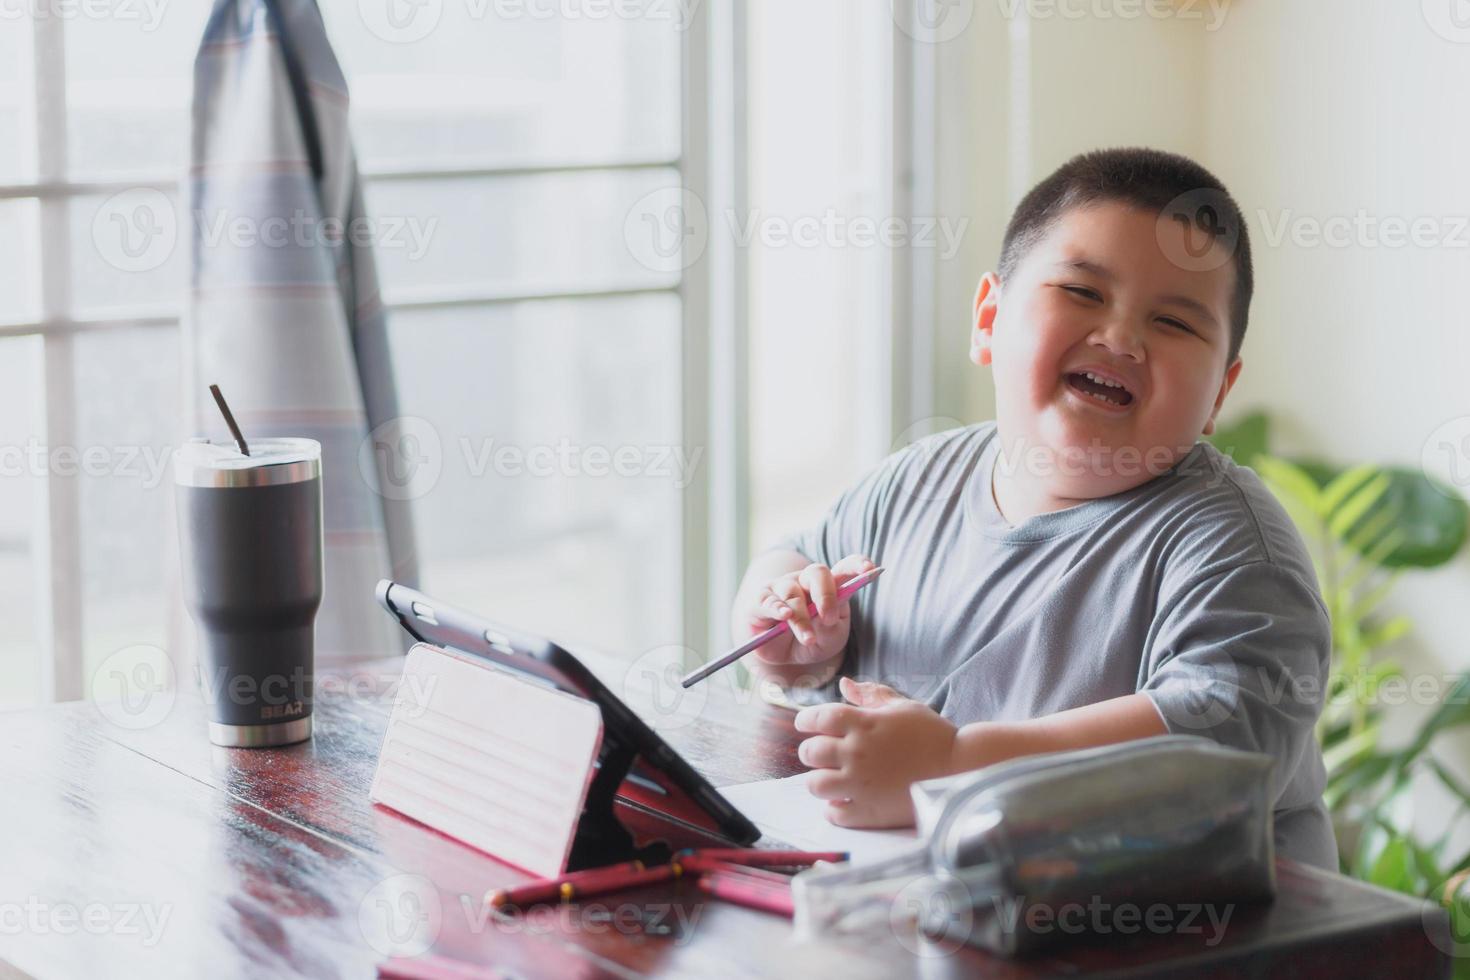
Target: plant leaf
{"points": [[1391, 867], [1363, 606], [1244, 439], [1345, 485], [1346, 515], [1387, 632], [1364, 535], [1450, 781], [1350, 750], [1452, 712], [1362, 775], [1434, 519], [1293, 487]]}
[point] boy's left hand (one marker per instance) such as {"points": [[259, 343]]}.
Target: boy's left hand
{"points": [[866, 753]]}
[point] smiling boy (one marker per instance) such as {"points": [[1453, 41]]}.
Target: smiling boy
{"points": [[1082, 570]]}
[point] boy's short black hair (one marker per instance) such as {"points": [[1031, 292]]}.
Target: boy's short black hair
{"points": [[1149, 180]]}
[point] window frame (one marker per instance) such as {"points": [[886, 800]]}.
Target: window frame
{"points": [[712, 290]]}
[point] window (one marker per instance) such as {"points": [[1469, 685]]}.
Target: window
{"points": [[521, 145], [543, 354], [819, 178], [577, 350], [93, 108]]}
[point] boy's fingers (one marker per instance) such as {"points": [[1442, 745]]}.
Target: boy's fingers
{"points": [[869, 694], [841, 813], [819, 752], [851, 567], [793, 596], [817, 579], [828, 784], [824, 719], [772, 607]]}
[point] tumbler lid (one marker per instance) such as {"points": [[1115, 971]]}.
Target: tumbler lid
{"points": [[201, 463]]}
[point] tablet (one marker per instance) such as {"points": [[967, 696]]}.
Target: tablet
{"points": [[657, 779]]}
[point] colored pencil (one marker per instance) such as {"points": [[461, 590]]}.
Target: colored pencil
{"points": [[699, 864], [784, 626], [743, 891], [764, 858], [593, 881]]}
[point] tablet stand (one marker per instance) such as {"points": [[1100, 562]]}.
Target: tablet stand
{"points": [[600, 838]]}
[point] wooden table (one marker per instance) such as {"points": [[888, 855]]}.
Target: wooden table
{"points": [[131, 851]]}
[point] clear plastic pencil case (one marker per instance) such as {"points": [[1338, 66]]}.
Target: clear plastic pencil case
{"points": [[1003, 850]]}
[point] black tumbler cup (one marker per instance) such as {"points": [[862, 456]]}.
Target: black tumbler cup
{"points": [[250, 532]]}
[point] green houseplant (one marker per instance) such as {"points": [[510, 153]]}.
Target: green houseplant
{"points": [[1366, 525]]}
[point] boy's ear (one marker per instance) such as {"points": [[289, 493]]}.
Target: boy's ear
{"points": [[1225, 386], [982, 328]]}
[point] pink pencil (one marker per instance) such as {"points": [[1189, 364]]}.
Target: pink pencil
{"points": [[760, 640], [743, 891]]}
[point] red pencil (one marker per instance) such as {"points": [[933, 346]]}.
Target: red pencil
{"points": [[699, 863], [764, 859], [593, 881], [743, 891]]}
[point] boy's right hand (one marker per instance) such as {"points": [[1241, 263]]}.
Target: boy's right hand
{"points": [[785, 599]]}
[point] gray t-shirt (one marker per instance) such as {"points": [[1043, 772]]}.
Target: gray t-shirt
{"points": [[1193, 588]]}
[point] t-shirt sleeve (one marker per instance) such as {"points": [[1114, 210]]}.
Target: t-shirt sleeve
{"points": [[1241, 656], [852, 525]]}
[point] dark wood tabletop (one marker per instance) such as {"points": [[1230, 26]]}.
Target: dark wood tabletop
{"points": [[130, 846]]}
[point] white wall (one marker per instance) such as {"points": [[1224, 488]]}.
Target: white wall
{"points": [[1308, 111], [1087, 83], [1360, 352], [1319, 109]]}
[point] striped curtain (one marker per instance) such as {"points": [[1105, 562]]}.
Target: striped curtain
{"points": [[284, 311]]}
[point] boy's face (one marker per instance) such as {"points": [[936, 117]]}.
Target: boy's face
{"points": [[1099, 293]]}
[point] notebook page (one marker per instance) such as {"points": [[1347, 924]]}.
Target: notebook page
{"points": [[787, 811]]}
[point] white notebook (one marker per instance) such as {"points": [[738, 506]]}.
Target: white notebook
{"points": [[786, 810], [488, 757]]}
